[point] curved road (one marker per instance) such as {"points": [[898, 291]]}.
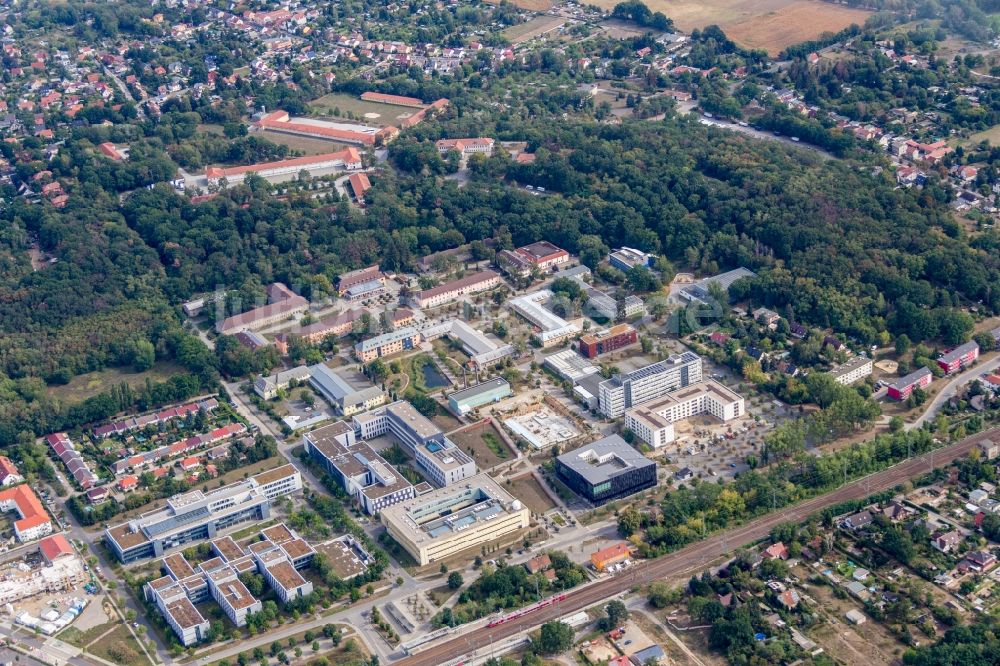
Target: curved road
{"points": [[690, 559], [951, 388]]}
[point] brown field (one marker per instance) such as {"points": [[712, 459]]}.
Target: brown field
{"points": [[530, 5], [533, 28], [527, 489], [474, 442], [304, 144], [763, 24]]}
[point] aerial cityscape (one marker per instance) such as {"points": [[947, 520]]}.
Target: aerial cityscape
{"points": [[499, 332]]}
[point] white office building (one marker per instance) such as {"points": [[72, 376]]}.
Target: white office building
{"points": [[622, 392], [653, 422]]}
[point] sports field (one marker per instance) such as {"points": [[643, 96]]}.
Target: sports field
{"points": [[372, 113], [763, 24]]}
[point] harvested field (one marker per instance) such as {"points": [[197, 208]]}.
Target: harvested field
{"points": [[304, 144], [528, 490], [534, 28], [530, 5], [762, 24]]}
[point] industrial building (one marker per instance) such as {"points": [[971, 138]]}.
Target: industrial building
{"points": [[653, 422], [362, 473], [552, 329], [197, 516], [617, 337], [624, 391], [492, 390], [854, 370], [459, 518], [606, 470]]}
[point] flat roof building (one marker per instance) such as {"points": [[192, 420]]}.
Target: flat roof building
{"points": [[362, 472], [492, 390], [348, 398], [606, 470], [570, 366], [624, 391], [653, 421], [197, 516], [393, 342], [443, 462], [552, 328], [617, 337], [854, 370], [460, 518], [483, 352]]}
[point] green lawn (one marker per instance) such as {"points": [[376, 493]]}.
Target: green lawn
{"points": [[90, 384]]}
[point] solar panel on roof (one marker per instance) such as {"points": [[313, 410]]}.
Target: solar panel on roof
{"points": [[176, 521]]}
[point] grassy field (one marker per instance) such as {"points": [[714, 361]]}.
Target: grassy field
{"points": [[483, 444], [531, 29], [528, 490], [387, 114], [84, 386], [119, 647], [992, 135], [763, 24], [304, 144]]}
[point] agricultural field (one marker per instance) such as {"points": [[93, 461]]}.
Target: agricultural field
{"points": [[992, 135], [537, 26], [89, 384], [373, 113], [761, 24], [303, 144], [527, 489]]}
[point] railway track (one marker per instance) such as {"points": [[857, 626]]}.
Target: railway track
{"points": [[692, 558]]}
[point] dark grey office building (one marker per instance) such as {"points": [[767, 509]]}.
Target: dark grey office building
{"points": [[606, 470]]}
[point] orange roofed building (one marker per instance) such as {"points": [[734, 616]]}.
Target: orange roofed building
{"points": [[603, 559], [349, 159], [34, 521]]}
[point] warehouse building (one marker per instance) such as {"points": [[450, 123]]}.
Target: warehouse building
{"points": [[460, 518], [653, 422], [606, 470], [624, 391], [492, 390]]}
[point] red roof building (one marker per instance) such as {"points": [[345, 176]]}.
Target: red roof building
{"points": [[604, 558], [54, 547], [9, 474]]}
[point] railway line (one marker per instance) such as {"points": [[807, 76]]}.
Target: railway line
{"points": [[479, 641]]}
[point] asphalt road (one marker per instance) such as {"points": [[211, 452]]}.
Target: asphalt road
{"points": [[690, 559], [949, 391]]}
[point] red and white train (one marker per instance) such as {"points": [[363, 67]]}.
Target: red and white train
{"points": [[503, 619]]}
